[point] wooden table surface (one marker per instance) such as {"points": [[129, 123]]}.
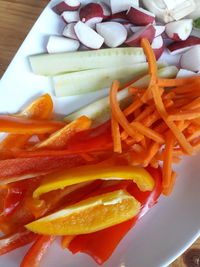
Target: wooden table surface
{"points": [[16, 19]]}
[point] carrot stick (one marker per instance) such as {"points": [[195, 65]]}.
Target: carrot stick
{"points": [[137, 112], [151, 152], [176, 82], [130, 109], [192, 105], [187, 88], [167, 163], [116, 136], [167, 191], [133, 90], [145, 113], [184, 115]]}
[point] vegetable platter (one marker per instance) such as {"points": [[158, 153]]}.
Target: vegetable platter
{"points": [[171, 225]]}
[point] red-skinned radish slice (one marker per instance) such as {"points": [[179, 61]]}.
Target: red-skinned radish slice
{"points": [[186, 73], [91, 14], [147, 32], [70, 16], [69, 31], [67, 5], [87, 36], [106, 10], [159, 29], [179, 30], [158, 46], [191, 59], [128, 27], [122, 5], [119, 17], [140, 16], [114, 33], [181, 47], [59, 44]]}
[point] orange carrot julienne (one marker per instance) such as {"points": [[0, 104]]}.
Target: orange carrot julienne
{"points": [[176, 82], [167, 191], [130, 109], [184, 115], [151, 152], [187, 88], [116, 136], [167, 163]]}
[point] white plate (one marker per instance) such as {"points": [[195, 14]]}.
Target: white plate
{"points": [[165, 232]]}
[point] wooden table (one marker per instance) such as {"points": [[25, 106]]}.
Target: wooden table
{"points": [[16, 19]]}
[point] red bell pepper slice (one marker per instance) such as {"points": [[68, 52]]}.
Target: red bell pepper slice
{"points": [[22, 168], [36, 252], [16, 240], [100, 245]]}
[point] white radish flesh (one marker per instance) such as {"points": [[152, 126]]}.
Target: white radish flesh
{"points": [[70, 16], [128, 27], [181, 47], [67, 5], [140, 16], [88, 36], [158, 46], [114, 33], [50, 65], [186, 73], [191, 59], [106, 10], [179, 30], [159, 29], [122, 5], [147, 32], [69, 31], [59, 44]]}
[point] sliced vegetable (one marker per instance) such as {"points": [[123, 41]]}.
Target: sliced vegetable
{"points": [[96, 213], [35, 254], [67, 62], [16, 240], [69, 31], [76, 83], [140, 16], [119, 6], [158, 46], [66, 5], [92, 172], [180, 47], [187, 59], [94, 243], [59, 44], [91, 14], [114, 33], [179, 30], [70, 16]]}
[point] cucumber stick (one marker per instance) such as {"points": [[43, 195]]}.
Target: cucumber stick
{"points": [[87, 81], [59, 63], [99, 111]]}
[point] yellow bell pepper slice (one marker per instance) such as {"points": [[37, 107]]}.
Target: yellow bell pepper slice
{"points": [[77, 175]]}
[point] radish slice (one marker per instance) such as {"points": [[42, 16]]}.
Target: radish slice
{"points": [[128, 27], [59, 44], [140, 16], [67, 5], [122, 5], [158, 46], [106, 10], [70, 16], [180, 47], [91, 14], [159, 29], [119, 17], [191, 59], [179, 30], [186, 73], [87, 36], [69, 31], [114, 33], [147, 32]]}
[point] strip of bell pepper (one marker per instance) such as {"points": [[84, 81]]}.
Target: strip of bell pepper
{"points": [[35, 254], [100, 245], [86, 173], [16, 240], [19, 125], [59, 139], [12, 170], [41, 108]]}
